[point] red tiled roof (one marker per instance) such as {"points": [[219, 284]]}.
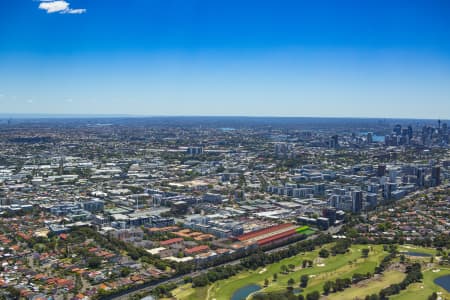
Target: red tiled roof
{"points": [[256, 233], [196, 249], [171, 241], [276, 237]]}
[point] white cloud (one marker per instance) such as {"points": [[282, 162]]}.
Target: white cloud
{"points": [[59, 6], [76, 11], [30, 101], [54, 6]]}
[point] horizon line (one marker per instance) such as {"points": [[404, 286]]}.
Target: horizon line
{"points": [[137, 116]]}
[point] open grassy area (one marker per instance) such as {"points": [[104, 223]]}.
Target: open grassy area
{"points": [[372, 286], [340, 266], [426, 288], [309, 232], [331, 268], [186, 292]]}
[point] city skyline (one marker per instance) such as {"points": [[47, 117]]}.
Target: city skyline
{"points": [[328, 59]]}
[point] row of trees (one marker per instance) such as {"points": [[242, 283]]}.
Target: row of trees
{"points": [[392, 249], [413, 274], [336, 286], [164, 290], [261, 259], [341, 247], [216, 274]]}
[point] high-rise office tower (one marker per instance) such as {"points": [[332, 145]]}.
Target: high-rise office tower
{"points": [[420, 177], [397, 129], [334, 141], [436, 176], [410, 132], [357, 200], [369, 138], [381, 170]]}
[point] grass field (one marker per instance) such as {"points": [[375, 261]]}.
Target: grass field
{"points": [[426, 288], [186, 292], [373, 286], [331, 268]]}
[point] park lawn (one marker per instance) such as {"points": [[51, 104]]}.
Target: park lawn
{"points": [[423, 290], [334, 267], [374, 286]]}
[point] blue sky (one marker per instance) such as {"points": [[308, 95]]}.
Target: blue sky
{"points": [[169, 57]]}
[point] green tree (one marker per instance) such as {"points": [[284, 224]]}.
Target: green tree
{"points": [[327, 287], [324, 253], [304, 281], [365, 252], [94, 262], [313, 296], [291, 282]]}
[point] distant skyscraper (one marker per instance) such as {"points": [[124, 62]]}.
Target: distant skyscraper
{"points": [[357, 200], [388, 188], [372, 199], [334, 141], [61, 166], [373, 188], [369, 138], [436, 176], [398, 129], [420, 177], [393, 173], [444, 128], [387, 140], [381, 170], [282, 149], [410, 132]]}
